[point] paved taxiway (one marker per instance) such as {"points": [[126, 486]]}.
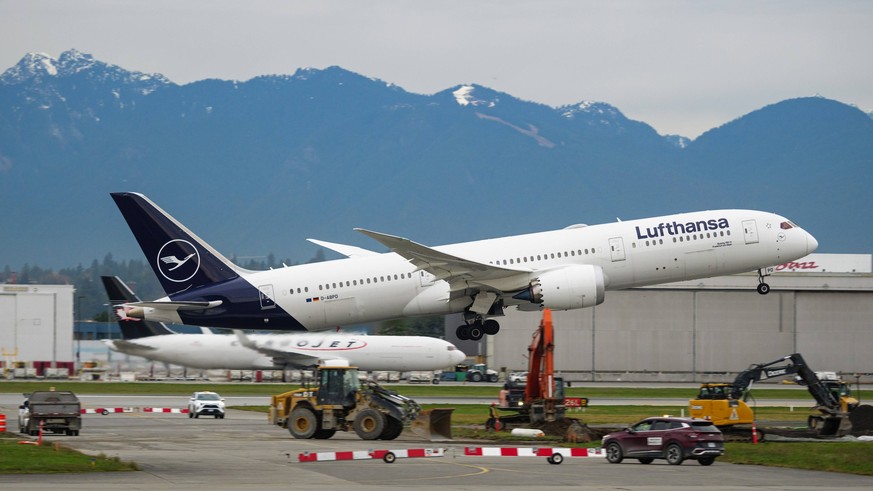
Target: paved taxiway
{"points": [[244, 452]]}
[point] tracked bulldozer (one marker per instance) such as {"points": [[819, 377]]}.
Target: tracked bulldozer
{"points": [[339, 401]]}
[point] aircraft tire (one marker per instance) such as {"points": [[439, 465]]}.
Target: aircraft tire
{"points": [[763, 288], [462, 332], [476, 331], [491, 327]]}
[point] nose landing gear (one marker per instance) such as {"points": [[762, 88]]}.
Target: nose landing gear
{"points": [[763, 287]]}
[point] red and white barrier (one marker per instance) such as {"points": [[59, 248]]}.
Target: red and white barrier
{"points": [[388, 456], [107, 410], [555, 455], [173, 410]]}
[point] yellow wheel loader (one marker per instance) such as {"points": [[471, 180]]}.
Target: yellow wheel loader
{"points": [[340, 402]]}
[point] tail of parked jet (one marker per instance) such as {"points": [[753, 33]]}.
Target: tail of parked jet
{"points": [[131, 328], [180, 259]]}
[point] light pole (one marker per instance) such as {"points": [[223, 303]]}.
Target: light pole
{"points": [[78, 332]]}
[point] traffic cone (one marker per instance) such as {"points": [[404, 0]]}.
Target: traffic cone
{"points": [[754, 434]]}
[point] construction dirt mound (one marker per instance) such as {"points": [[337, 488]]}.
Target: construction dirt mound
{"points": [[570, 429], [862, 420]]}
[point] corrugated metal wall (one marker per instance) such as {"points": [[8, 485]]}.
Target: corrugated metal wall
{"points": [[695, 335]]}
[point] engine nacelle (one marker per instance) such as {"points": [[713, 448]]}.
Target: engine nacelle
{"points": [[570, 287]]}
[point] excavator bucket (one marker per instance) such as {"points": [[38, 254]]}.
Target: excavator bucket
{"points": [[433, 424]]}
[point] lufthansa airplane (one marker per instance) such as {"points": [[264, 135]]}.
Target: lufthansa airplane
{"points": [[155, 341], [562, 269]]}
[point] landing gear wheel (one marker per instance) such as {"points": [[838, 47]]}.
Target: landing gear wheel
{"points": [[463, 332], [763, 288], [476, 331], [369, 424], [556, 459], [491, 327]]}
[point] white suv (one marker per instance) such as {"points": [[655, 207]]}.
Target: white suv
{"points": [[206, 403]]}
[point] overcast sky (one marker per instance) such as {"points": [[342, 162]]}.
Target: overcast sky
{"points": [[681, 66]]}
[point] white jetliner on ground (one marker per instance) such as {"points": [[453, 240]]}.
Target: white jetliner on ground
{"points": [[155, 341], [561, 269]]}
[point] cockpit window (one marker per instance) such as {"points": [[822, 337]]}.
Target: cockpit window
{"points": [[787, 225]]}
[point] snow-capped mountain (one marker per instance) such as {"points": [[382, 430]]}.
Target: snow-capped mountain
{"points": [[257, 166]]}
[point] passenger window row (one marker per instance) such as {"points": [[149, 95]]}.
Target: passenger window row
{"points": [[541, 257], [349, 283]]}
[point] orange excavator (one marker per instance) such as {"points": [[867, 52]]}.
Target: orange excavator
{"points": [[541, 399]]}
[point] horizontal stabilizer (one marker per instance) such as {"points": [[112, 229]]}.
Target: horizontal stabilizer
{"points": [[126, 346], [174, 305]]}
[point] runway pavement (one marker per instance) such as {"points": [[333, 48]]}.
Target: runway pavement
{"points": [[243, 451]]}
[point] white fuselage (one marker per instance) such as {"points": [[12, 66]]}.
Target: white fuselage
{"points": [[370, 353], [631, 254]]}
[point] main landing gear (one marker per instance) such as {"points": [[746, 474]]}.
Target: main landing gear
{"points": [[477, 328], [763, 287]]}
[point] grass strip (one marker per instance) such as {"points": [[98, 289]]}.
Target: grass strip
{"points": [[51, 458]]}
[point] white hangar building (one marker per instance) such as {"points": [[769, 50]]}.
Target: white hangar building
{"points": [[706, 330], [36, 325]]}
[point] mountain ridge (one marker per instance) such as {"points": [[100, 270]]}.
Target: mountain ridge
{"points": [[256, 166]]}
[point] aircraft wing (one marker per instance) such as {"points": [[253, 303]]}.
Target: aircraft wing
{"points": [[280, 356], [345, 250], [460, 273]]}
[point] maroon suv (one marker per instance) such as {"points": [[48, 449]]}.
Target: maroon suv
{"points": [[672, 439]]}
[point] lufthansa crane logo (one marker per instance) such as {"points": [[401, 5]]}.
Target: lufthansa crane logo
{"points": [[178, 260]]}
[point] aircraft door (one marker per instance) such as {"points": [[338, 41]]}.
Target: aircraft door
{"points": [[266, 294], [750, 231], [616, 249]]}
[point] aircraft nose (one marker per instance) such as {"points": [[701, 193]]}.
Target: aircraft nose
{"points": [[811, 243], [457, 356]]}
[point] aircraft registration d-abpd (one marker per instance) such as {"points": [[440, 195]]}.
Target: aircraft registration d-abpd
{"points": [[563, 269], [155, 341]]}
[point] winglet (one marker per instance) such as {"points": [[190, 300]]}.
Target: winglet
{"points": [[345, 250]]}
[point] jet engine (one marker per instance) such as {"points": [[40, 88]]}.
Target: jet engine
{"points": [[570, 287]]}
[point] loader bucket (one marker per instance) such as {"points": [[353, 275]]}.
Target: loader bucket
{"points": [[433, 424]]}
